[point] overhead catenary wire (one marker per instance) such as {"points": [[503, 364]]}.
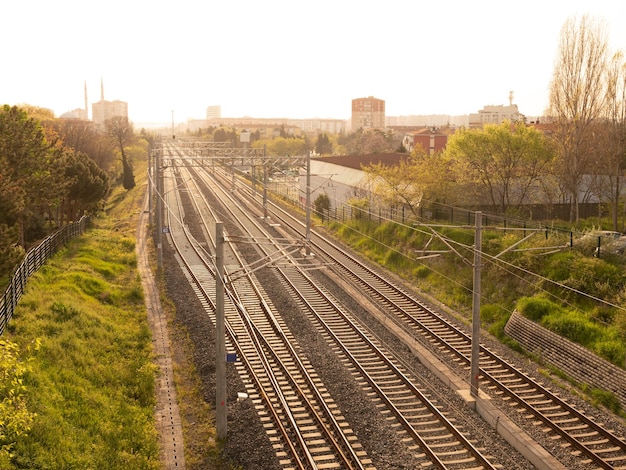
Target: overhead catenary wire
{"points": [[492, 259]]}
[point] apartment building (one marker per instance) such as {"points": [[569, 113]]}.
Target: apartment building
{"points": [[368, 113]]}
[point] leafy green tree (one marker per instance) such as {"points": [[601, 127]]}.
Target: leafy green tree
{"points": [[351, 142], [43, 181], [88, 186], [42, 115], [401, 149], [225, 135], [29, 172], [366, 142], [503, 162], [283, 146], [11, 252], [83, 137], [18, 137], [323, 145], [435, 174], [396, 184], [321, 204], [418, 178], [376, 141]]}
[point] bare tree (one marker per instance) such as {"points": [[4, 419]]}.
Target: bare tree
{"points": [[396, 184], [84, 137], [122, 132], [577, 94], [614, 133]]}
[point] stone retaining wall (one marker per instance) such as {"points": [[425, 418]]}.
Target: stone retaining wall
{"points": [[576, 361]]}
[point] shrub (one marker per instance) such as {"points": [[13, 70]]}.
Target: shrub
{"points": [[535, 308], [613, 350], [497, 330], [321, 204], [421, 272], [575, 327], [592, 274], [603, 314], [558, 266], [491, 313], [15, 418]]}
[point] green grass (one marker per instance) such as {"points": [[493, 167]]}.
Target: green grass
{"points": [[598, 326], [582, 319], [92, 379], [603, 338], [605, 399], [86, 358]]}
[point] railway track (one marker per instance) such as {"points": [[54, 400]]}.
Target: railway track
{"points": [[284, 388], [436, 440], [593, 444]]}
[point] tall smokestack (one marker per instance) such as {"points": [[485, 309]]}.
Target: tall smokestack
{"points": [[101, 90], [86, 105]]}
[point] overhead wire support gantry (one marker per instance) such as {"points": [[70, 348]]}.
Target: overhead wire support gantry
{"points": [[193, 153]]}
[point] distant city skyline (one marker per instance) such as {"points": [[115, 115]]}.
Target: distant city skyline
{"points": [[281, 59], [101, 108]]}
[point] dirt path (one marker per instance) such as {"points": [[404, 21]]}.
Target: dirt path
{"points": [[167, 413]]}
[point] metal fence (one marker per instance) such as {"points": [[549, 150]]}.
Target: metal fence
{"points": [[433, 214], [34, 259], [530, 215]]}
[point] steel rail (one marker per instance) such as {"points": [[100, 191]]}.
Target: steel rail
{"points": [[458, 343], [359, 337], [199, 284], [348, 461]]}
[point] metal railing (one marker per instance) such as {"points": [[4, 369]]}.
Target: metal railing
{"points": [[34, 259]]}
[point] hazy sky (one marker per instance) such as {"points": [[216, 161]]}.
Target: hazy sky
{"points": [[280, 58]]}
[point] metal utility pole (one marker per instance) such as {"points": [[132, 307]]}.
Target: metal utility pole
{"points": [[264, 184], [264, 191], [476, 306], [159, 209], [308, 203], [150, 184], [220, 338], [232, 170], [244, 138]]}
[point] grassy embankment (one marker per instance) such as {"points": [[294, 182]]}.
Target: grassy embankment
{"points": [[82, 330], [565, 285]]}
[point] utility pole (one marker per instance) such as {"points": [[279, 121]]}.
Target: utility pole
{"points": [[265, 181], [232, 170], [244, 138], [475, 371], [159, 208], [308, 203], [150, 183], [264, 190], [220, 339]]}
